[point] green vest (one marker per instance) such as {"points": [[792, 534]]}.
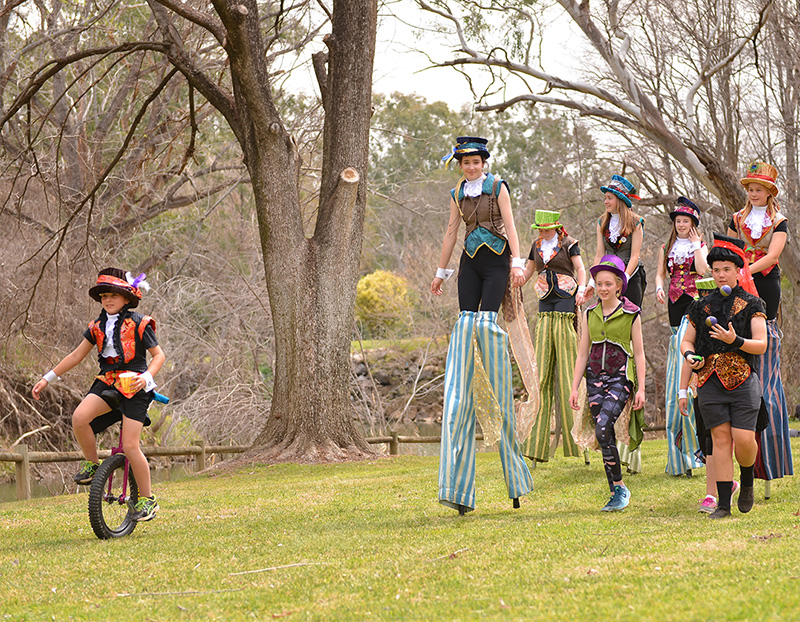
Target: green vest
{"points": [[615, 329]]}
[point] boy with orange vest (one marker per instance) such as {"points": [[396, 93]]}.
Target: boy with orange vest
{"points": [[122, 338]]}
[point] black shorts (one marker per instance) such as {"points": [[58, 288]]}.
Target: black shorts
{"points": [[739, 407], [131, 407]]}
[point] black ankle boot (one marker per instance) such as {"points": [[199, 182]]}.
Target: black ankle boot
{"points": [[516, 503]]}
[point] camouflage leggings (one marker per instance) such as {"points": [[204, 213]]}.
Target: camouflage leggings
{"points": [[606, 396]]}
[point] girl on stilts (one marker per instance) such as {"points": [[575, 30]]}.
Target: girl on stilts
{"points": [[560, 286], [764, 230], [682, 263], [611, 357], [478, 368]]}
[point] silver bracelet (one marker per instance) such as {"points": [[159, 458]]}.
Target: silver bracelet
{"points": [[51, 377]]}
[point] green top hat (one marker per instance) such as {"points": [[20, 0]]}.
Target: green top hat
{"points": [[544, 219]]}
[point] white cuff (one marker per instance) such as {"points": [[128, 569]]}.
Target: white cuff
{"points": [[581, 289], [51, 377], [150, 384], [682, 394], [444, 273], [518, 262], [696, 246], [590, 283], [659, 289]]}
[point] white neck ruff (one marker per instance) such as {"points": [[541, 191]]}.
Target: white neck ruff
{"points": [[614, 228], [474, 188], [681, 250], [758, 220]]}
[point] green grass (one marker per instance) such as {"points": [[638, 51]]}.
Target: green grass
{"points": [[368, 541]]}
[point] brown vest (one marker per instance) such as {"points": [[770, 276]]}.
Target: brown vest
{"points": [[482, 211], [561, 263]]}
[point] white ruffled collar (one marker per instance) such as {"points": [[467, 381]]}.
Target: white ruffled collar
{"points": [[681, 250], [757, 220], [474, 188], [549, 248], [614, 228]]}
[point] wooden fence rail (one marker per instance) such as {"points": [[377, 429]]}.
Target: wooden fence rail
{"points": [[22, 458]]}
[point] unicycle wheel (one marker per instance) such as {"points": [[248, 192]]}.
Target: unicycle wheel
{"points": [[110, 508]]}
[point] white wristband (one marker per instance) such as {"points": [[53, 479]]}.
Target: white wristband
{"points": [[150, 384], [682, 394], [51, 377], [695, 246], [444, 273], [659, 289], [581, 289], [518, 262], [590, 283]]}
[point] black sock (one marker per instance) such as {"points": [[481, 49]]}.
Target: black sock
{"points": [[724, 490], [747, 474]]}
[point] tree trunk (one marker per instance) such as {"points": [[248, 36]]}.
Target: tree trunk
{"points": [[312, 282]]}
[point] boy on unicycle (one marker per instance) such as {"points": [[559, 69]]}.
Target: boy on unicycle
{"points": [[123, 338]]}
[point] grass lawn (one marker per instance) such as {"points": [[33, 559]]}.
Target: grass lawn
{"points": [[368, 541]]}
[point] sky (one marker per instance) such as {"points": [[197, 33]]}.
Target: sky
{"points": [[404, 30]]}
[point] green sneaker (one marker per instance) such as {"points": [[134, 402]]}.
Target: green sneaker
{"points": [[145, 509], [85, 475]]}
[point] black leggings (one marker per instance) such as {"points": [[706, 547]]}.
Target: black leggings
{"points": [[637, 284], [769, 290], [677, 309], [482, 280]]}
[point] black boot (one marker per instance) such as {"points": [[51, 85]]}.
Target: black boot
{"points": [[516, 503], [746, 499]]}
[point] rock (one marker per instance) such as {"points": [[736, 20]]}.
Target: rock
{"points": [[382, 378]]}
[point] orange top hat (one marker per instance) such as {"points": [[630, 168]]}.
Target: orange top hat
{"points": [[764, 174]]}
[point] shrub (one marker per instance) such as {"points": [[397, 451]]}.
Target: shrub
{"points": [[383, 305]]}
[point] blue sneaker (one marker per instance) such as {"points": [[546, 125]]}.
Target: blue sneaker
{"points": [[619, 500]]}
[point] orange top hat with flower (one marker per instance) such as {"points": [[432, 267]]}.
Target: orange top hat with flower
{"points": [[764, 174], [117, 281]]}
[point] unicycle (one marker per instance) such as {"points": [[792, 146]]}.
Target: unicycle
{"points": [[113, 493]]}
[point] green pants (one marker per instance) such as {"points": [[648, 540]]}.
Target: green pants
{"points": [[556, 351]]}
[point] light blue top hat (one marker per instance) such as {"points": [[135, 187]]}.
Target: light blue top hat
{"points": [[624, 189]]}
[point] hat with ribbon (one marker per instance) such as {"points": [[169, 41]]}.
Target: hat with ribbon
{"points": [[686, 208], [762, 173], [117, 281], [611, 263], [624, 189], [467, 145], [545, 219], [726, 248]]}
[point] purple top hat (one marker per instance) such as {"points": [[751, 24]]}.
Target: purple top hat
{"points": [[614, 264]]}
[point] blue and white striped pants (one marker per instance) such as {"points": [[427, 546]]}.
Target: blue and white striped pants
{"points": [[457, 460]]}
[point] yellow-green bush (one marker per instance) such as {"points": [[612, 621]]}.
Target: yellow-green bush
{"points": [[383, 304]]}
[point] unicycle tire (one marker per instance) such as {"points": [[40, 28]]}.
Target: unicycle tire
{"points": [[109, 514]]}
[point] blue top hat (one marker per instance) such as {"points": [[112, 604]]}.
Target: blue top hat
{"points": [[624, 189], [468, 145]]}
